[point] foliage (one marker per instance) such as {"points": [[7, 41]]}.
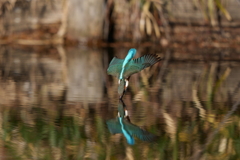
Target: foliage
{"points": [[210, 10]]}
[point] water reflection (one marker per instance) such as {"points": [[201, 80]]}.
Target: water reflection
{"points": [[85, 74], [123, 125]]}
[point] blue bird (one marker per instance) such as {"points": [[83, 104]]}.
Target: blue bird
{"points": [[123, 125], [124, 68]]}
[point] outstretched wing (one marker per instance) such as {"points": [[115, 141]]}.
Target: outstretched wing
{"points": [[136, 65], [115, 67], [138, 132]]}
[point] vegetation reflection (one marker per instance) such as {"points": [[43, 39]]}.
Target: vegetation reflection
{"points": [[202, 124]]}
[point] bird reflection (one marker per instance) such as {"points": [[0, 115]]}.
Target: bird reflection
{"points": [[124, 68], [122, 125]]}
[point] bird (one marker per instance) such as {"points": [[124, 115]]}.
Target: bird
{"points": [[124, 68], [122, 124]]}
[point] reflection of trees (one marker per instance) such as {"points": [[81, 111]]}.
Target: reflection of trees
{"points": [[41, 137], [85, 75], [182, 113], [75, 132], [26, 75]]}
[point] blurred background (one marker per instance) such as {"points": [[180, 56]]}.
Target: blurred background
{"points": [[56, 97]]}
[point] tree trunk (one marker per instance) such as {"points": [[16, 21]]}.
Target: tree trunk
{"points": [[85, 19]]}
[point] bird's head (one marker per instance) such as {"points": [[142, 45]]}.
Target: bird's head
{"points": [[131, 53]]}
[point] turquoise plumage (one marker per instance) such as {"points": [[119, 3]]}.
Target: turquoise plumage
{"points": [[123, 125], [124, 68], [130, 55]]}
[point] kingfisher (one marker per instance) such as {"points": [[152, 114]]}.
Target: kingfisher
{"points": [[124, 68], [123, 125]]}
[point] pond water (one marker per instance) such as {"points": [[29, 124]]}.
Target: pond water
{"points": [[57, 104]]}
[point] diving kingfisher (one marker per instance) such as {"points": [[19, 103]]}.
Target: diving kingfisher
{"points": [[124, 68]]}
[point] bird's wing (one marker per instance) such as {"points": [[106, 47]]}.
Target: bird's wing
{"points": [[115, 67], [138, 132], [136, 65], [114, 126]]}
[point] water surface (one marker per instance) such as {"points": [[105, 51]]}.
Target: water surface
{"points": [[55, 105]]}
